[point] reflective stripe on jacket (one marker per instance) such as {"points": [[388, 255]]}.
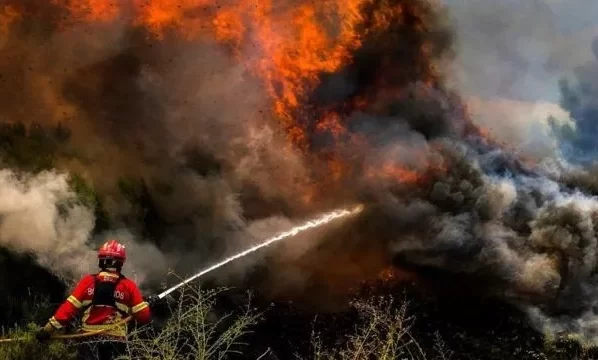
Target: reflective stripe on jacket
{"points": [[127, 299]]}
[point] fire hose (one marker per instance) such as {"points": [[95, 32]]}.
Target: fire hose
{"points": [[323, 219], [75, 336]]}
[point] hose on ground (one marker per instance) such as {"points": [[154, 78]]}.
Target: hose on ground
{"points": [[74, 336]]}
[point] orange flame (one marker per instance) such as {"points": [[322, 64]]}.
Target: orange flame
{"points": [[293, 62], [8, 15], [331, 122], [398, 173], [229, 27], [288, 46], [188, 18], [401, 174], [295, 44], [391, 276], [90, 10]]}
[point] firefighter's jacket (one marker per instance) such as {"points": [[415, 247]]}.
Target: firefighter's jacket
{"points": [[126, 298]]}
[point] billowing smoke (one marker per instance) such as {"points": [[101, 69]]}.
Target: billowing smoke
{"points": [[510, 56], [579, 98], [509, 49], [203, 127], [40, 215]]}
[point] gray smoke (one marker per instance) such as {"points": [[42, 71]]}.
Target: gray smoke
{"points": [[534, 238], [41, 216]]}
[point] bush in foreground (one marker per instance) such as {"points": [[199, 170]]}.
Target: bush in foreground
{"points": [[26, 347], [383, 333], [382, 329], [193, 331]]}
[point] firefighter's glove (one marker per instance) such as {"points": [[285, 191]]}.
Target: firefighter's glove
{"points": [[153, 300], [45, 333]]}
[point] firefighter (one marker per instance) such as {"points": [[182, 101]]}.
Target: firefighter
{"points": [[105, 299]]}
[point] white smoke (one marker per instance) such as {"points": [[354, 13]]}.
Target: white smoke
{"points": [[40, 215]]}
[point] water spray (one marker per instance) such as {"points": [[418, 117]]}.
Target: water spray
{"points": [[322, 220]]}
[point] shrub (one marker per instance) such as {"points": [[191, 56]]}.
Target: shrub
{"points": [[382, 333], [194, 331], [26, 347]]}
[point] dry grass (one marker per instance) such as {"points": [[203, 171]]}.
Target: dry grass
{"points": [[194, 331], [383, 333]]}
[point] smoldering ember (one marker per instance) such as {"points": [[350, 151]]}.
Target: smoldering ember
{"points": [[192, 130]]}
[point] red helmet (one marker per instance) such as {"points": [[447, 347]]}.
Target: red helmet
{"points": [[112, 249]]}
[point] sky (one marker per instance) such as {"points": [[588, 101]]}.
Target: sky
{"points": [[519, 49]]}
